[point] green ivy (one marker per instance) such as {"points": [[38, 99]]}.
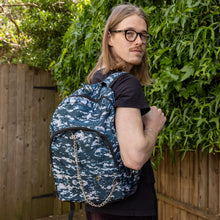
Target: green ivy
{"points": [[82, 44], [184, 65]]}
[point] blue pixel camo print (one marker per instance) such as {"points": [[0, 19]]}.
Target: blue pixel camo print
{"points": [[85, 156]]}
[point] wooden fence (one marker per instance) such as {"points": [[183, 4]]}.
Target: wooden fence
{"points": [[28, 98], [187, 190], [190, 188]]}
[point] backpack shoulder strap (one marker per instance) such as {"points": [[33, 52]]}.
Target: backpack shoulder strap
{"points": [[109, 81]]}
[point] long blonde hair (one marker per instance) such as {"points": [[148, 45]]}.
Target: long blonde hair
{"points": [[107, 60]]}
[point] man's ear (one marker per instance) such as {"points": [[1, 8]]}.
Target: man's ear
{"points": [[109, 39]]}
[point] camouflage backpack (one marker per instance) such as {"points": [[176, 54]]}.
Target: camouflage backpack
{"points": [[85, 157]]}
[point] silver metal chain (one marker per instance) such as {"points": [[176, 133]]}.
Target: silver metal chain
{"points": [[114, 183]]}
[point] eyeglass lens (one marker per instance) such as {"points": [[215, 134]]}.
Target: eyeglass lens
{"points": [[131, 35]]}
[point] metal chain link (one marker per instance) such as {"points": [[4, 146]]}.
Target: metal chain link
{"points": [[115, 183]]}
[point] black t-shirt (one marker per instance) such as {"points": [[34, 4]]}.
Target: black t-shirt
{"points": [[128, 93]]}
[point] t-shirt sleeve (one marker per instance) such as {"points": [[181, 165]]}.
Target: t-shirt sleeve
{"points": [[129, 93]]}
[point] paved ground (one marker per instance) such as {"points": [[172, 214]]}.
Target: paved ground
{"points": [[77, 216]]}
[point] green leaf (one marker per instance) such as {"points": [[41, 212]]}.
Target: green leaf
{"points": [[216, 120], [188, 70]]}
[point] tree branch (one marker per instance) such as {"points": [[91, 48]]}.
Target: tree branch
{"points": [[9, 15], [13, 21], [19, 4], [12, 44], [54, 4]]}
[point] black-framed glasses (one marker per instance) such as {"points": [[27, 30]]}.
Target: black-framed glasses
{"points": [[131, 35]]}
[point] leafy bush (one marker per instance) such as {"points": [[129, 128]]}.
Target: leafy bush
{"points": [[184, 65], [184, 62], [33, 34], [11, 37], [82, 44]]}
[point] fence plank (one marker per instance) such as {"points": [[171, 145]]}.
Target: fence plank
{"points": [[161, 208], [43, 185], [169, 186], [203, 182], [177, 180], [4, 88], [194, 183], [28, 130], [11, 166], [163, 177], [175, 213], [36, 180], [19, 161], [213, 179], [185, 178]]}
